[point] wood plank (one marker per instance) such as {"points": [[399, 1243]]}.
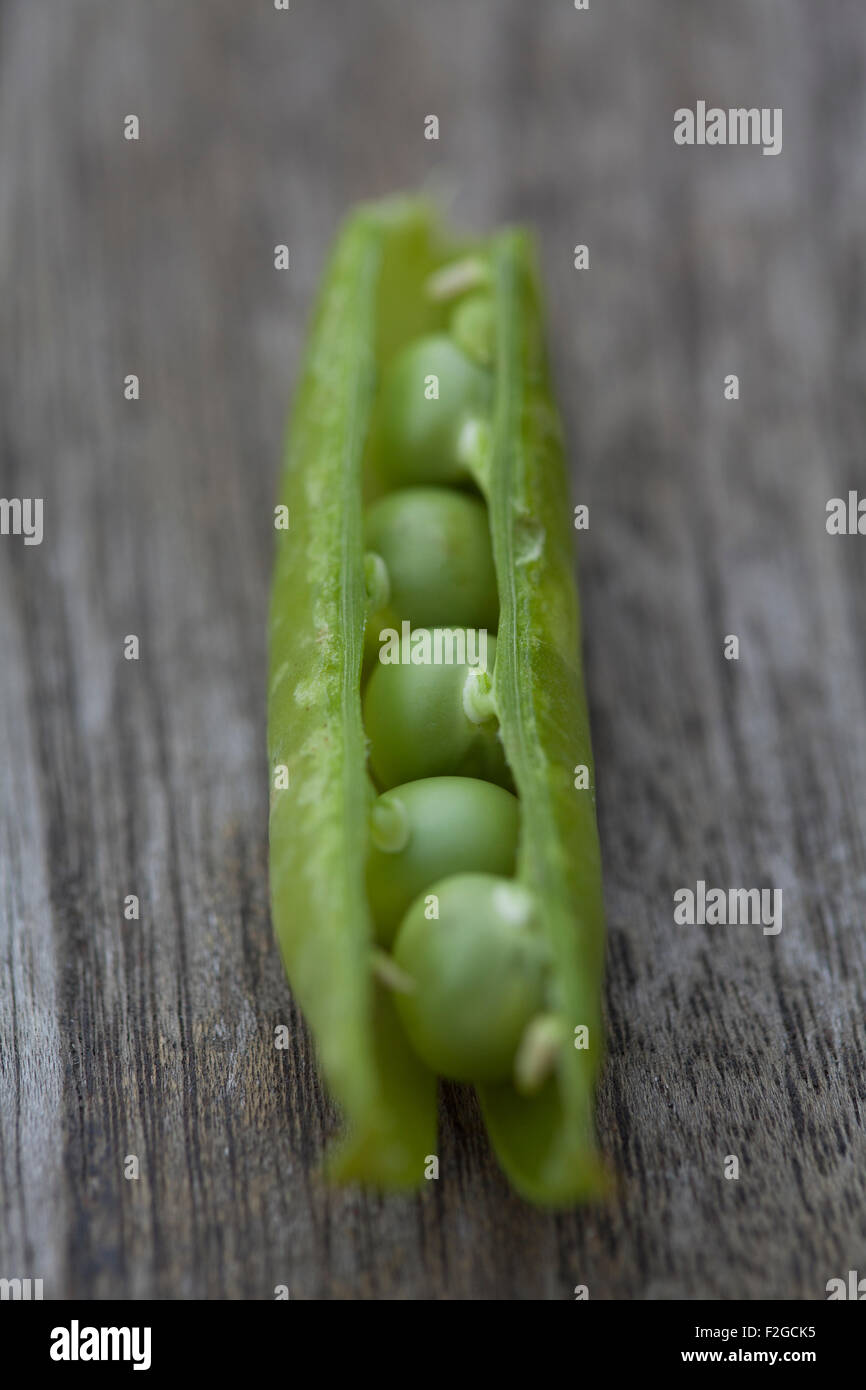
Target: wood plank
{"points": [[707, 517]]}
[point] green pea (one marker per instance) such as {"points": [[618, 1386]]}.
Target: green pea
{"points": [[418, 439], [473, 328], [435, 545], [434, 719], [425, 830], [478, 973]]}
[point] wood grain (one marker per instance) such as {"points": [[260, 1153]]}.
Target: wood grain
{"points": [[155, 1038]]}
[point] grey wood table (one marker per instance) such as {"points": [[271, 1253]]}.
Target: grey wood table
{"points": [[154, 1038]]}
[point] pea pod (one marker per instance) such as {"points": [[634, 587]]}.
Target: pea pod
{"points": [[488, 454]]}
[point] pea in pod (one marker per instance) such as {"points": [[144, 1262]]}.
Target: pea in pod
{"points": [[425, 490]]}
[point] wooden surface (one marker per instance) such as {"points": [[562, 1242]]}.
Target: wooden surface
{"points": [[155, 1038]]}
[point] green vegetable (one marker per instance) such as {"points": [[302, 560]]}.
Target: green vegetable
{"points": [[410, 511], [424, 830], [429, 720], [478, 972], [415, 434], [473, 328], [435, 546]]}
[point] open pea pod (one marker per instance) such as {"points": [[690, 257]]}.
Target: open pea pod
{"points": [[394, 281]]}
